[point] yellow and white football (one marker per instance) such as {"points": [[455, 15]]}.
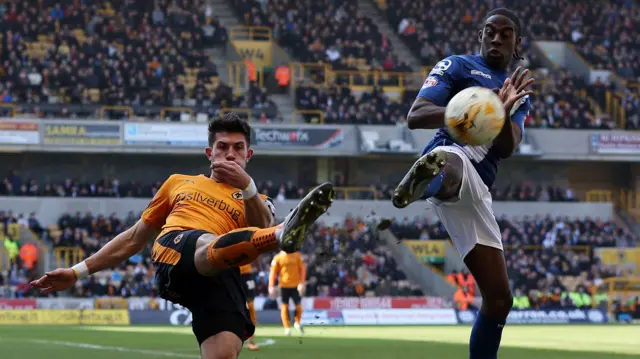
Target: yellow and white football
{"points": [[475, 116]]}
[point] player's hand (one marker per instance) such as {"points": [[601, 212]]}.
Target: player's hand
{"points": [[57, 280], [301, 289], [272, 292], [231, 173], [515, 88]]}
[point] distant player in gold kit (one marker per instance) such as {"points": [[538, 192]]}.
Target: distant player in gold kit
{"points": [[293, 273], [247, 275]]}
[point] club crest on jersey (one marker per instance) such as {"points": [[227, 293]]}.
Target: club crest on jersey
{"points": [[237, 195], [430, 82]]}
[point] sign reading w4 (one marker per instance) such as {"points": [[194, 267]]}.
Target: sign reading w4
{"points": [[259, 52]]}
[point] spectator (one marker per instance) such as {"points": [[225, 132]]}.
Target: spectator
{"points": [[146, 55]]}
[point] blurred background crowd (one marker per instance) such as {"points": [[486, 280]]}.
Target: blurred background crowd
{"points": [[67, 58]]}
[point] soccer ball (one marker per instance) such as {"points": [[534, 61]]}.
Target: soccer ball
{"points": [[475, 116]]}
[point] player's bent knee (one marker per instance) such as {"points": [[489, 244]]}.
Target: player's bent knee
{"points": [[498, 304], [224, 345]]}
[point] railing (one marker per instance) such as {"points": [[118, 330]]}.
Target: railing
{"points": [[322, 74], [615, 109], [599, 196], [239, 76], [619, 288], [127, 109], [629, 200], [534, 247], [165, 110], [356, 192], [11, 107], [301, 70], [68, 256], [254, 33], [313, 116], [349, 78]]}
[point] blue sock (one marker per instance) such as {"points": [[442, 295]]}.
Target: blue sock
{"points": [[434, 185], [485, 338]]}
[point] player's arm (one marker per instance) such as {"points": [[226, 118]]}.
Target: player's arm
{"points": [[273, 275], [122, 247], [303, 276], [427, 111], [259, 211], [514, 95], [424, 114], [119, 249]]}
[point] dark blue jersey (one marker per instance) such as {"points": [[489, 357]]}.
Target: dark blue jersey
{"points": [[454, 74]]}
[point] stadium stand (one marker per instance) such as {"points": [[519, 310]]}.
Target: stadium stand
{"points": [[159, 60], [551, 261], [136, 58], [325, 31], [14, 185]]}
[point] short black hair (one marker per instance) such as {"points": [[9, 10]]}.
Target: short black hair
{"points": [[511, 16], [229, 122]]}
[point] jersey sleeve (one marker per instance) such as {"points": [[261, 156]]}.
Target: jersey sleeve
{"points": [[160, 206], [303, 269], [520, 111], [439, 85]]}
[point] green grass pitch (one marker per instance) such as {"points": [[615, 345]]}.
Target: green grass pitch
{"points": [[408, 342]]}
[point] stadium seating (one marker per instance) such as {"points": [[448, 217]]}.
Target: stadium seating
{"points": [[13, 185], [138, 59], [357, 256], [325, 31], [549, 260]]}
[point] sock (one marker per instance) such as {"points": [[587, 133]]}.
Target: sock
{"points": [[298, 313], [242, 246], [284, 314], [252, 313], [434, 185], [485, 337]]}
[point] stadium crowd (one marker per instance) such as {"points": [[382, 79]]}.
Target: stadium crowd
{"points": [[602, 32], [550, 261], [59, 58], [14, 185], [325, 31], [128, 53]]}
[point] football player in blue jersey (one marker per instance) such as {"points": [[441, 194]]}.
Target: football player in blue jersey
{"points": [[456, 178]]}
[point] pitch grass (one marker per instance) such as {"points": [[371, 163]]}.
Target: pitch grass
{"points": [[409, 342]]}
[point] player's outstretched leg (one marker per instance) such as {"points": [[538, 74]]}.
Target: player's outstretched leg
{"points": [[488, 267], [437, 173], [243, 246]]}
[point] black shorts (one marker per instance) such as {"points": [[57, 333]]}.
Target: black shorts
{"points": [[217, 303], [249, 282], [290, 293]]}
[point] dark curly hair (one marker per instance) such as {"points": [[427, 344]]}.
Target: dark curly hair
{"points": [[229, 122]]}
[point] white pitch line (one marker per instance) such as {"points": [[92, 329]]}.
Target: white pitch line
{"points": [[264, 342], [106, 348]]}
